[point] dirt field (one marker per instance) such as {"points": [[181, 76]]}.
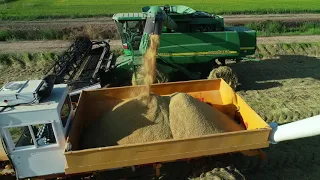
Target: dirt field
{"points": [[44, 46], [59, 45], [295, 160], [286, 81], [229, 19], [14, 67], [284, 87], [104, 27]]}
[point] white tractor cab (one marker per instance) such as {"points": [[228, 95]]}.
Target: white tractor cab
{"points": [[34, 120]]}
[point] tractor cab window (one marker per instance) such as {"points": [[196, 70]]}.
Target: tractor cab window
{"points": [[37, 135], [136, 27], [44, 134], [65, 111], [21, 136], [131, 32]]}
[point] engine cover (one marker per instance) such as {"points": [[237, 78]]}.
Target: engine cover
{"points": [[20, 92]]}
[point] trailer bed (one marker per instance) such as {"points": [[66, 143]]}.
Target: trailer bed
{"points": [[93, 103]]}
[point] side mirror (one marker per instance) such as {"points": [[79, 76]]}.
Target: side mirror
{"points": [[47, 86]]}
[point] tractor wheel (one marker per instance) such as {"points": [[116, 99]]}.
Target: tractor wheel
{"points": [[227, 173], [139, 78], [225, 73]]}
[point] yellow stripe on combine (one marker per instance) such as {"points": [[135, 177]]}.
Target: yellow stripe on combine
{"points": [[197, 53], [247, 48]]}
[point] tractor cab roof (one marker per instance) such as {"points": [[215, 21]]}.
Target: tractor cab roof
{"points": [[179, 9], [52, 102], [171, 10], [129, 16]]}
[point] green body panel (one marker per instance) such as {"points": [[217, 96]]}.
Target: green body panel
{"points": [[184, 48], [248, 40]]}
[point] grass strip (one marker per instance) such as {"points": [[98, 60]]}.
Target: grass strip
{"points": [[39, 9]]}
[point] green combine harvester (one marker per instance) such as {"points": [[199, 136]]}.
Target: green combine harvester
{"points": [[190, 42], [193, 45]]}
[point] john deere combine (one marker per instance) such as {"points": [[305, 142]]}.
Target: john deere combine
{"points": [[190, 43]]}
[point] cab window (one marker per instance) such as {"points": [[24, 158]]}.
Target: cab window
{"points": [[65, 111], [36, 135]]}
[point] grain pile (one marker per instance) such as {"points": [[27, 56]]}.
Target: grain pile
{"points": [[150, 117], [141, 119], [190, 117]]}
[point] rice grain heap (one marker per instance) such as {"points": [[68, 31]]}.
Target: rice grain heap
{"points": [[150, 117], [141, 119], [190, 117]]}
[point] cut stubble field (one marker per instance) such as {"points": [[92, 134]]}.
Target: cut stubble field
{"points": [[282, 87], [37, 9]]}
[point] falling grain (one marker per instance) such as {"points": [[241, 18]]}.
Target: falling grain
{"points": [[149, 65]]}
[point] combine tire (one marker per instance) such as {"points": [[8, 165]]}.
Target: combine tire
{"points": [[228, 173], [226, 74], [160, 78]]}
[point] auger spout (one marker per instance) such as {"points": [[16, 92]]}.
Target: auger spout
{"points": [[156, 17], [300, 129]]}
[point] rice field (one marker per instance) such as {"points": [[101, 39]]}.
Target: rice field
{"points": [[22, 66], [37, 9]]}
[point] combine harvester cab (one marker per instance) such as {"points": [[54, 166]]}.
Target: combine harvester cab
{"points": [[190, 43], [190, 40]]}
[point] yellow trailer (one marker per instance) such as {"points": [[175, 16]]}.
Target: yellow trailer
{"points": [[251, 133], [42, 140]]}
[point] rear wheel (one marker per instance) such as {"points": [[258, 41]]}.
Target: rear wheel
{"points": [[225, 73]]}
